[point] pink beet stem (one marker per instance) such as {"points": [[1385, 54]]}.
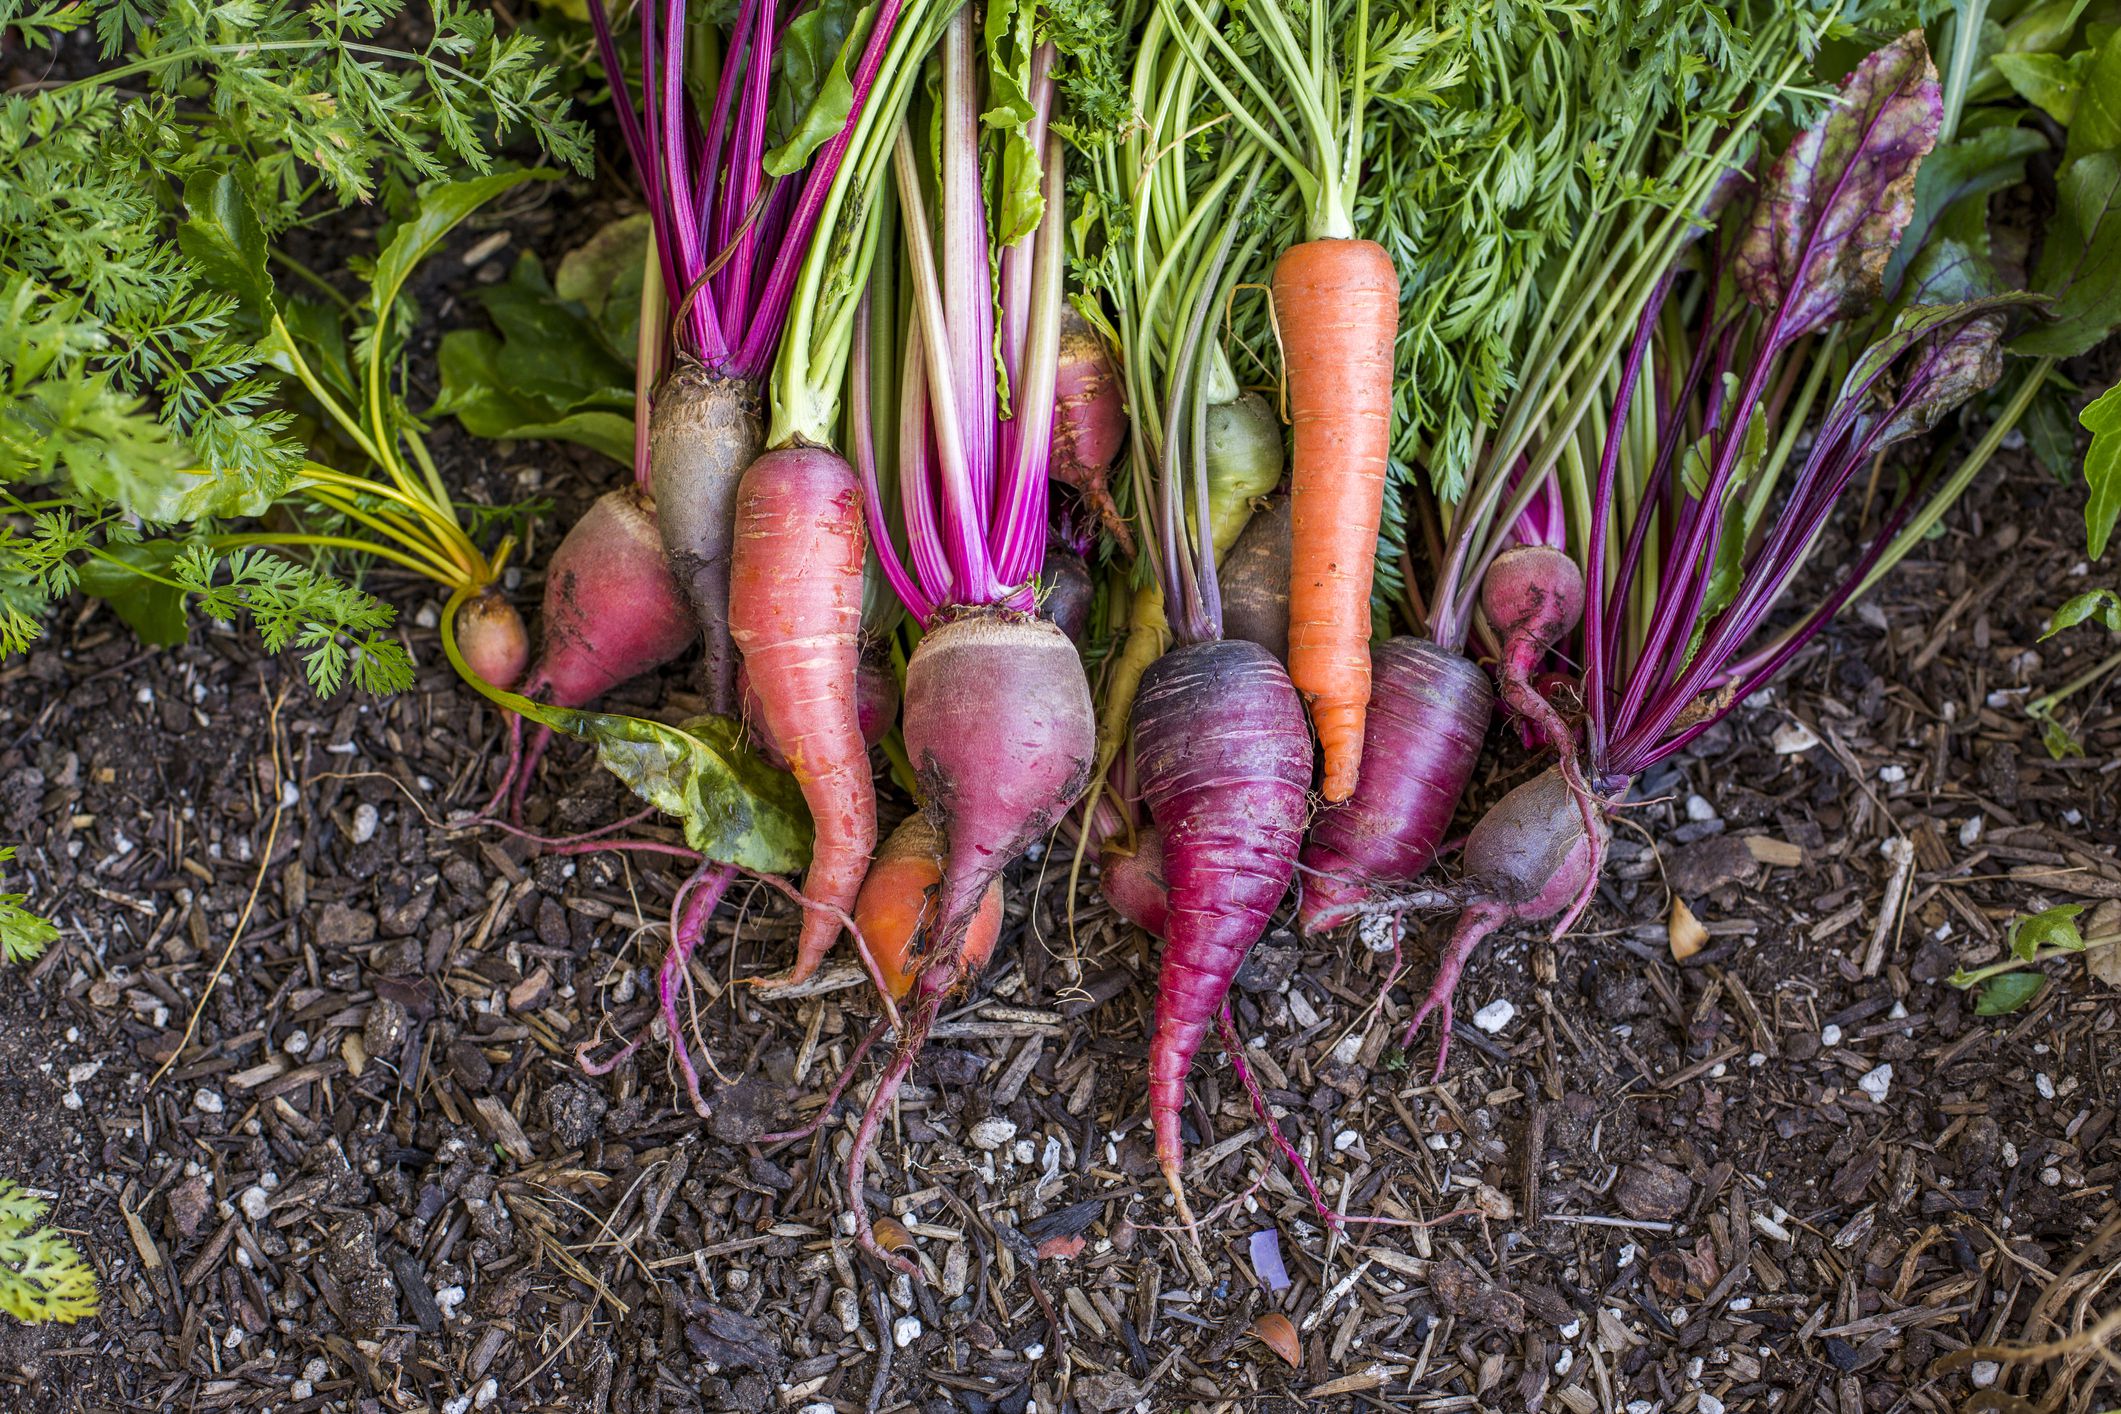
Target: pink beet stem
{"points": [[909, 1049], [832, 1096], [1479, 920], [1235, 1050]]}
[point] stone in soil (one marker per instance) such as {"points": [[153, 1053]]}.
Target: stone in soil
{"points": [[366, 1291], [1708, 864], [1458, 1290], [1650, 1191]]}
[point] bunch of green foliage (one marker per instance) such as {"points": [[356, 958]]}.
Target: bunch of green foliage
{"points": [[150, 379]]}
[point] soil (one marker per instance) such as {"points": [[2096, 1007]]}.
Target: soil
{"points": [[1794, 1171]]}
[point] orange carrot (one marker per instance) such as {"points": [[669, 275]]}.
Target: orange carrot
{"points": [[1336, 303], [795, 612], [896, 911]]}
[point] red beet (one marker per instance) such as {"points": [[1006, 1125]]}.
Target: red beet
{"points": [[1089, 421], [612, 610], [999, 728], [1133, 881], [1529, 858]]}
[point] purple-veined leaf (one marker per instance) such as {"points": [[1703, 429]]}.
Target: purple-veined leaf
{"points": [[1835, 203], [1952, 351]]}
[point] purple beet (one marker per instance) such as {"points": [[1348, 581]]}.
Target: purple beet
{"points": [[1429, 710]]}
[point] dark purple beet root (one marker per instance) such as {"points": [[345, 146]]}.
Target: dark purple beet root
{"points": [[1066, 592], [1254, 579], [1429, 710]]}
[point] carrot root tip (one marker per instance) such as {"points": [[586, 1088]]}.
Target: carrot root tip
{"points": [[1178, 1197]]}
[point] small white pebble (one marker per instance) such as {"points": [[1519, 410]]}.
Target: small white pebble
{"points": [[1495, 1015], [256, 1203], [1707, 1403], [1345, 1140], [1741, 1303], [2045, 1085], [1757, 1059], [85, 1071], [1034, 1351], [1791, 738], [1438, 1143], [234, 1337], [2010, 1154], [1898, 1013], [1892, 774], [1376, 931], [145, 696], [1573, 1329], [2073, 816], [992, 1133], [365, 820], [301, 1390], [1628, 1253], [1877, 1082], [459, 1405], [821, 1407], [1970, 832], [847, 1224], [491, 1390], [1349, 1050], [1699, 810], [1830, 1035], [72, 1100], [209, 1102], [1025, 1151], [296, 1043], [426, 617], [1564, 1361], [1641, 1406], [905, 1330], [447, 1299], [315, 1370], [1983, 1373], [2051, 1176], [1771, 1229]]}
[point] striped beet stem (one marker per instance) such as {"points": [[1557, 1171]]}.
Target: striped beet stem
{"points": [[1429, 709], [1223, 752]]}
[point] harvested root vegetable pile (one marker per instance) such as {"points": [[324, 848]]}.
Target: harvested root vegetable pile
{"points": [[1090, 708]]}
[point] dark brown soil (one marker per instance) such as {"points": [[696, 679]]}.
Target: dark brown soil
{"points": [[376, 1179]]}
